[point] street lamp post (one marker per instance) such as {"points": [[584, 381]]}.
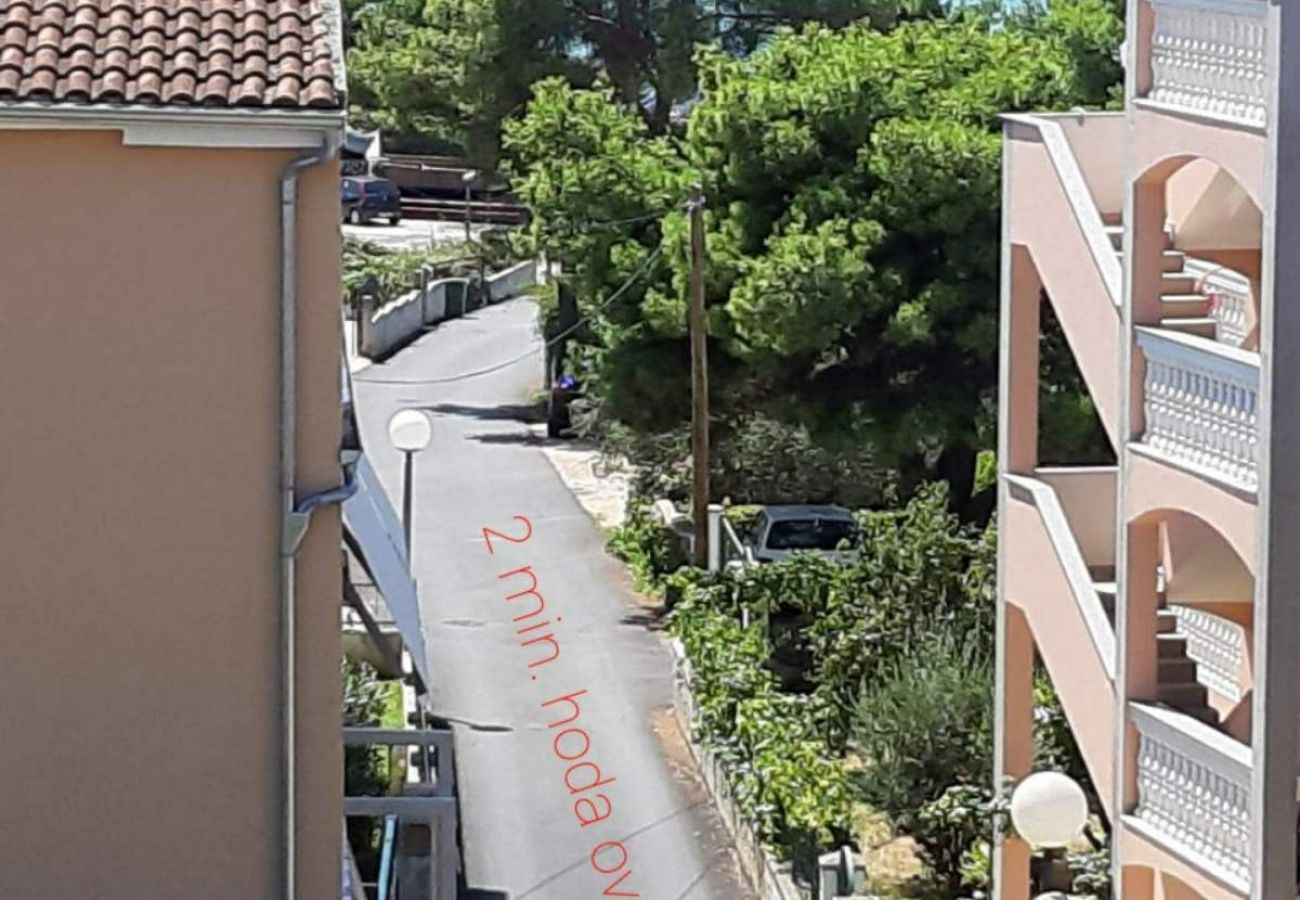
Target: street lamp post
{"points": [[468, 179], [1050, 811], [410, 431]]}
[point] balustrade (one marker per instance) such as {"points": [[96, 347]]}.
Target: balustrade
{"points": [[1209, 56], [1201, 401], [1217, 646], [1194, 790]]}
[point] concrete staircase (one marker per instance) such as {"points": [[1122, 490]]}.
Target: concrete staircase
{"points": [[1177, 683], [1182, 307]]}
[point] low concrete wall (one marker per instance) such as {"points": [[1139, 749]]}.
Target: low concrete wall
{"points": [[512, 281], [392, 325], [435, 302], [770, 878], [399, 322]]}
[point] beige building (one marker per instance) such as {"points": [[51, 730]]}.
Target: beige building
{"points": [[1158, 593], [169, 281]]}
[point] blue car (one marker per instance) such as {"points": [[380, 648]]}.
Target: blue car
{"points": [[370, 198]]}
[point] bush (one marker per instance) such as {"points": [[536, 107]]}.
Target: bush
{"points": [[786, 780], [755, 460], [365, 701], [396, 272], [921, 570], [926, 726], [651, 549]]}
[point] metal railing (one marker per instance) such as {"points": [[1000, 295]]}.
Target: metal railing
{"points": [[725, 546], [430, 802], [386, 885]]}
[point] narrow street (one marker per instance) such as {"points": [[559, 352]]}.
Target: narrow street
{"points": [[485, 467]]}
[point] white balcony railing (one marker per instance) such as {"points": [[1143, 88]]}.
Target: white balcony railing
{"points": [[1201, 401], [1230, 300], [1194, 791], [1217, 646], [1209, 57]]}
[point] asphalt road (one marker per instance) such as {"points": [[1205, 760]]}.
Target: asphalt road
{"points": [[521, 829]]}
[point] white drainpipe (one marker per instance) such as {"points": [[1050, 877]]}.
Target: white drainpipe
{"points": [[296, 516]]}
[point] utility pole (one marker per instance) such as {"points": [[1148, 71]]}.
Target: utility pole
{"points": [[699, 383]]}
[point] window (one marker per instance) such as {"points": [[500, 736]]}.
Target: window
{"points": [[811, 534]]}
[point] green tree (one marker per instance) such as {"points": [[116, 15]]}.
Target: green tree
{"points": [[854, 228], [449, 72]]}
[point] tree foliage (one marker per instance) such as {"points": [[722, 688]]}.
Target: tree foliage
{"points": [[451, 71], [853, 181]]}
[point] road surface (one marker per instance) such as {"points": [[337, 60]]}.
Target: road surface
{"points": [[522, 832]]}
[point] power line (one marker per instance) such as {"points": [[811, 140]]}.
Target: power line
{"points": [[465, 376], [596, 224]]}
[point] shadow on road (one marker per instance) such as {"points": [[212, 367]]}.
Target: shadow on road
{"points": [[518, 438], [482, 894], [509, 412], [649, 619]]}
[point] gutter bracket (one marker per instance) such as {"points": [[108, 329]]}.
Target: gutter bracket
{"points": [[293, 531]]}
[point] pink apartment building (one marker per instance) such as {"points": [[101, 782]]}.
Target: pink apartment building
{"points": [[1162, 593]]}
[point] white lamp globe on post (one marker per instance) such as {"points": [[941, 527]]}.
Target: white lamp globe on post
{"points": [[411, 431], [1049, 810]]}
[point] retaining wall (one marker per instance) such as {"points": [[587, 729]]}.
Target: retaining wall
{"points": [[395, 324]]}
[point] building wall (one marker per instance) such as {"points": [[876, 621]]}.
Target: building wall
{"points": [[139, 519]]}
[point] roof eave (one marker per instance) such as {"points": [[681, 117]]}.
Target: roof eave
{"points": [[180, 125]]}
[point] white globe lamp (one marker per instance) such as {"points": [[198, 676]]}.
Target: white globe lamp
{"points": [[1049, 810], [410, 431]]}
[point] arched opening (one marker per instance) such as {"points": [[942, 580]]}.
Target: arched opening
{"points": [[1207, 230], [1203, 596]]}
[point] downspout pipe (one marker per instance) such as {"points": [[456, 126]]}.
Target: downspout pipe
{"points": [[295, 516]]}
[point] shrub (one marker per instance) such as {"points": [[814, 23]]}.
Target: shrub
{"points": [[756, 459], [921, 570], [786, 780], [395, 272], [926, 726], [365, 701], [651, 549], [890, 656]]}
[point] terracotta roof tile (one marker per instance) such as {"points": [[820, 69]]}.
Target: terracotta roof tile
{"points": [[280, 53]]}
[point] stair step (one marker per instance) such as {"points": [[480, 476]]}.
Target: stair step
{"points": [[1177, 282], [1183, 695], [1165, 624], [1176, 670], [1115, 231], [1203, 326], [1169, 644], [1102, 573], [1173, 261], [1203, 714], [1184, 306]]}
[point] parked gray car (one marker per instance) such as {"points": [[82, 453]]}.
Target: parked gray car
{"points": [[781, 531]]}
